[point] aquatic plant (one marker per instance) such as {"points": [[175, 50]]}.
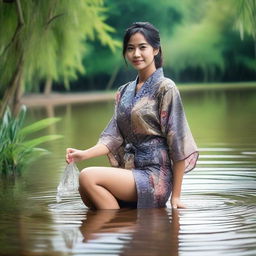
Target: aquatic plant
{"points": [[16, 150]]}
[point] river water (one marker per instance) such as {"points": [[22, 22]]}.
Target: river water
{"points": [[220, 192]]}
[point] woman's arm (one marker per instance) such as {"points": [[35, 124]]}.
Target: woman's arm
{"points": [[178, 172], [77, 155]]}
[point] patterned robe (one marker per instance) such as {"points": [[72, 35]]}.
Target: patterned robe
{"points": [[147, 133]]}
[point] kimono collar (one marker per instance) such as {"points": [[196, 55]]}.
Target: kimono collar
{"points": [[153, 78], [148, 85]]}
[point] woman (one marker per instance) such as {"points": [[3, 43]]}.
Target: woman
{"points": [[148, 140]]}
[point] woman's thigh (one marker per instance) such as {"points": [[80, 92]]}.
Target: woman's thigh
{"points": [[119, 182]]}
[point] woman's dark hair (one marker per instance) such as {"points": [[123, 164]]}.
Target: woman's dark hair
{"points": [[151, 35]]}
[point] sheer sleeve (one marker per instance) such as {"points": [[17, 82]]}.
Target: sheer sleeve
{"points": [[175, 127], [111, 136]]}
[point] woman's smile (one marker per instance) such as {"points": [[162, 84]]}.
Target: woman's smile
{"points": [[137, 62], [141, 55]]}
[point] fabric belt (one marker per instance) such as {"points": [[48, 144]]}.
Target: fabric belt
{"points": [[129, 156], [130, 150]]}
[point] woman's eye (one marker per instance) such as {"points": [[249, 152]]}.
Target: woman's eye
{"points": [[129, 48], [143, 47]]}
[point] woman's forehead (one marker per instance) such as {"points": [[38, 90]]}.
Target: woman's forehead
{"points": [[137, 39]]}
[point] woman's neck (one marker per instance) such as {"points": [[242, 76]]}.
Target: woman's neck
{"points": [[145, 74]]}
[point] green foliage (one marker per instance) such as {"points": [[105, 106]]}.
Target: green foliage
{"points": [[207, 43], [197, 46], [246, 17], [196, 36], [53, 39], [165, 15], [15, 150], [63, 40]]}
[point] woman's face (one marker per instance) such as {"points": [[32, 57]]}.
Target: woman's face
{"points": [[140, 53]]}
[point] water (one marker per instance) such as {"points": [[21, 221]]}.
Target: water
{"points": [[220, 193]]}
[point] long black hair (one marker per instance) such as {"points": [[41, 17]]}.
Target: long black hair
{"points": [[151, 35]]}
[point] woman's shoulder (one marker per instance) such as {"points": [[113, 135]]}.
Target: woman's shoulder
{"points": [[120, 91], [123, 87], [166, 84]]}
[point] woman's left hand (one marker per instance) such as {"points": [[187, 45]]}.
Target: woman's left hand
{"points": [[176, 203]]}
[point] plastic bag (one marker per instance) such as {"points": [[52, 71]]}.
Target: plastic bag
{"points": [[69, 182]]}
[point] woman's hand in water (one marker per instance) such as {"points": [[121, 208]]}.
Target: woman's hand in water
{"points": [[176, 203], [74, 155]]}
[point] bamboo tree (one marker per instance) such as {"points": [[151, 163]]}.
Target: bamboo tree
{"points": [[47, 39]]}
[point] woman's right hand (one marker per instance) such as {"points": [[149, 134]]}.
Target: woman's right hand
{"points": [[74, 155]]}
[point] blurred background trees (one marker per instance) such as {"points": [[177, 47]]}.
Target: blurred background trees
{"points": [[202, 41], [77, 44]]}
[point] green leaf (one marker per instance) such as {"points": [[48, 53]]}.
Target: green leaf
{"points": [[22, 114], [39, 125], [28, 155], [40, 140]]}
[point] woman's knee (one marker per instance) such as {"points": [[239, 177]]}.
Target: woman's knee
{"points": [[85, 186], [86, 177]]}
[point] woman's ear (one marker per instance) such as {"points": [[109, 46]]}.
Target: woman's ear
{"points": [[155, 51]]}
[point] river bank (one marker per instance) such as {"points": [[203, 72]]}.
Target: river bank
{"points": [[55, 98]]}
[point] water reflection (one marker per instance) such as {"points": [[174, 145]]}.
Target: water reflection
{"points": [[118, 232], [220, 193], [218, 221], [141, 232]]}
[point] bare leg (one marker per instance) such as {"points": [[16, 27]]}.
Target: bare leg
{"points": [[102, 185], [86, 199]]}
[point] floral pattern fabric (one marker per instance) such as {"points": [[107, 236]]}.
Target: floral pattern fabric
{"points": [[147, 134]]}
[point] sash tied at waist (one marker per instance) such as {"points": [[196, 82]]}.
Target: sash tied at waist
{"points": [[129, 155], [129, 148], [133, 151]]}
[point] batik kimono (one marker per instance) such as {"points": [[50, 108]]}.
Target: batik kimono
{"points": [[147, 134]]}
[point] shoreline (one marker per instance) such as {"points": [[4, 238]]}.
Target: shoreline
{"points": [[54, 99], [57, 98]]}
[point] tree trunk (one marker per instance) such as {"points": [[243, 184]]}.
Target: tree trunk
{"points": [[206, 74], [11, 90], [15, 82], [48, 86], [91, 83], [20, 89], [112, 78], [15, 107]]}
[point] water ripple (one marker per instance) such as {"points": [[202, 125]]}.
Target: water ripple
{"points": [[220, 195], [220, 218]]}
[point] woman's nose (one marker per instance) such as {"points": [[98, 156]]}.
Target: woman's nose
{"points": [[137, 52]]}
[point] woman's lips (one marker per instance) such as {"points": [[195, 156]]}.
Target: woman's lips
{"points": [[137, 62]]}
